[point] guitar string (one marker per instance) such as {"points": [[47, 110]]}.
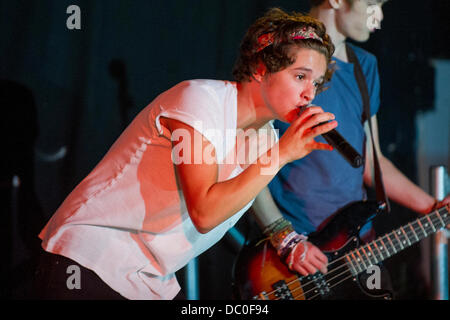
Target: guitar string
{"points": [[346, 277], [318, 294], [304, 293], [299, 279], [367, 245], [408, 234], [327, 275], [401, 247], [330, 286]]}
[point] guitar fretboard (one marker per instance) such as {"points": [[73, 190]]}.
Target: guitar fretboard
{"points": [[388, 245]]}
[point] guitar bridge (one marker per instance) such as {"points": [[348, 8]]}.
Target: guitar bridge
{"points": [[282, 291]]}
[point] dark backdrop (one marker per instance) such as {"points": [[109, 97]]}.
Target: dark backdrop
{"points": [[66, 95]]}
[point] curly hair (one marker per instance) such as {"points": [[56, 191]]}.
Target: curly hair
{"points": [[278, 56]]}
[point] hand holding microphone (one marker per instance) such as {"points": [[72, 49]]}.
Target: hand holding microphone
{"points": [[299, 138], [305, 128]]}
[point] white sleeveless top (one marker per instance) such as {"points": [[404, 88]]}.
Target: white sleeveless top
{"points": [[127, 220]]}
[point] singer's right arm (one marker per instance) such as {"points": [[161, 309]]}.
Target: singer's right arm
{"points": [[211, 202]]}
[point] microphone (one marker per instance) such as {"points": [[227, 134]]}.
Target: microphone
{"points": [[338, 142]]}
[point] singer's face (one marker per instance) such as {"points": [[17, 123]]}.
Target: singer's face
{"points": [[284, 92]]}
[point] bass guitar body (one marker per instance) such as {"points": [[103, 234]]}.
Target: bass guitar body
{"points": [[260, 274]]}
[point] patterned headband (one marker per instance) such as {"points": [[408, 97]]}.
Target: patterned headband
{"points": [[267, 39]]}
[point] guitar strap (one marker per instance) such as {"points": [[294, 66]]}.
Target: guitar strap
{"points": [[361, 80]]}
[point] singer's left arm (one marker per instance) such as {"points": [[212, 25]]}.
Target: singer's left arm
{"points": [[398, 187]]}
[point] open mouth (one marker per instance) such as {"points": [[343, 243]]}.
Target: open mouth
{"points": [[302, 108]]}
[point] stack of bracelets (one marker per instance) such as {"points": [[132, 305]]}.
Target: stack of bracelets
{"points": [[284, 239]]}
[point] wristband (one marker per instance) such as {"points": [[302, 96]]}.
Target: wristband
{"points": [[283, 237], [278, 231]]}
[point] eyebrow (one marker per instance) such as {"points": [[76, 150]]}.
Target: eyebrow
{"points": [[303, 69], [321, 78]]}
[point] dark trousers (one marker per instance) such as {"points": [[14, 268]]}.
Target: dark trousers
{"points": [[60, 278], [55, 280]]}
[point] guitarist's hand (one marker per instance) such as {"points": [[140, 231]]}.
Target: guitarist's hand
{"points": [[305, 258], [443, 203]]}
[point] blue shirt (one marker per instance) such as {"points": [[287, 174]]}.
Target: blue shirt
{"points": [[309, 190]]}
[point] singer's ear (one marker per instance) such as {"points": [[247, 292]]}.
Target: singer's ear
{"points": [[260, 72]]}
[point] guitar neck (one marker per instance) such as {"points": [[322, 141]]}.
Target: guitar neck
{"points": [[390, 244]]}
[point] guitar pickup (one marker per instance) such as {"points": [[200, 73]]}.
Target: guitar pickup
{"points": [[322, 287], [282, 291]]}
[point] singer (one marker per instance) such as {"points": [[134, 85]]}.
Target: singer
{"points": [[140, 216], [307, 192]]}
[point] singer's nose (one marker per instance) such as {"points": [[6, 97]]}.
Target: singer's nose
{"points": [[308, 93]]}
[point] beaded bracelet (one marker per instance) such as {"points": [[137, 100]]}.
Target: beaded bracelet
{"points": [[278, 231], [283, 237], [277, 226]]}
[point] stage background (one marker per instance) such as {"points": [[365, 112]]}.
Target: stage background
{"points": [[66, 95]]}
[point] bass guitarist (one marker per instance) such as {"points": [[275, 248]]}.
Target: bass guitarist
{"points": [[306, 192]]}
